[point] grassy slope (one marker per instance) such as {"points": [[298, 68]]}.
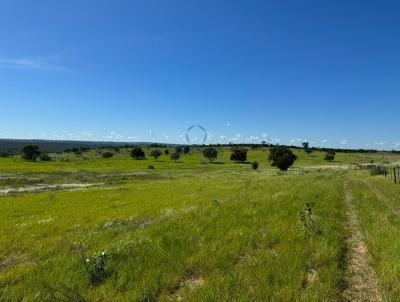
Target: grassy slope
{"points": [[122, 163], [248, 246]]}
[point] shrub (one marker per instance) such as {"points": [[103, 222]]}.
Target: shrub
{"points": [[330, 155], [45, 157], [166, 151], [96, 267], [30, 152], [107, 154], [309, 221], [151, 167], [239, 155], [281, 157], [306, 146], [137, 153], [175, 156], [155, 154], [210, 153], [254, 165], [178, 149], [186, 150]]}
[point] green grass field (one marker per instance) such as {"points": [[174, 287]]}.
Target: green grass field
{"points": [[197, 231]]}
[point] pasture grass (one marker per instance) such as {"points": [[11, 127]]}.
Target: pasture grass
{"points": [[191, 230]]}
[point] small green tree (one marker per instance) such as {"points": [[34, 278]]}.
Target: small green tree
{"points": [[155, 154], [178, 149], [281, 157], [210, 153], [107, 154], [330, 155], [254, 165], [239, 155], [137, 153], [186, 150], [175, 156], [45, 157], [306, 146], [30, 152]]}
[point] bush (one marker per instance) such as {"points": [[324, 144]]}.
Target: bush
{"points": [[309, 221], [210, 153], [175, 156], [178, 149], [239, 155], [45, 157], [155, 154], [137, 153], [330, 155], [186, 150], [30, 152], [107, 154], [281, 157], [96, 267], [254, 165], [151, 167], [166, 151]]}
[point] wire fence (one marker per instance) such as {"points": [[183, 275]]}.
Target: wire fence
{"points": [[392, 173]]}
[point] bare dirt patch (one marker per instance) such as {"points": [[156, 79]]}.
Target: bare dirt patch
{"points": [[188, 284], [359, 275], [47, 187]]}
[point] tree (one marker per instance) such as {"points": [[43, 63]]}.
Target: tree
{"points": [[210, 153], [166, 151], [107, 154], [306, 146], [155, 154], [137, 153], [178, 150], [186, 150], [239, 155], [330, 155], [175, 156], [45, 157], [30, 152], [281, 157], [254, 165]]}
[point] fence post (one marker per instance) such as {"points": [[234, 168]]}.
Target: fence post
{"points": [[395, 176]]}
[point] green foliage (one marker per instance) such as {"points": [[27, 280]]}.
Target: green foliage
{"points": [[254, 165], [137, 153], [210, 153], [239, 155], [95, 267], [306, 146], [45, 157], [151, 167], [281, 157], [166, 151], [30, 152], [175, 156], [330, 155], [178, 149], [309, 221], [107, 154], [186, 150], [155, 154]]}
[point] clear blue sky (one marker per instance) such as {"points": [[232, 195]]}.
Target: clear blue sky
{"points": [[325, 71]]}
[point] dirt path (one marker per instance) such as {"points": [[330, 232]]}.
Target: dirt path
{"points": [[359, 274]]}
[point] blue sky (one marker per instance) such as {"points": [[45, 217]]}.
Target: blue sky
{"points": [[285, 71]]}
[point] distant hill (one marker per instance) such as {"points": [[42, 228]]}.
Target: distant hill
{"points": [[14, 146]]}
